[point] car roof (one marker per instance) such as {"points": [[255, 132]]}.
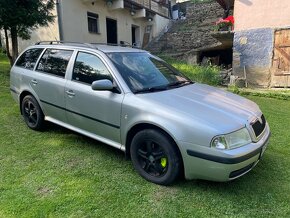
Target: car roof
{"points": [[106, 48], [110, 48]]}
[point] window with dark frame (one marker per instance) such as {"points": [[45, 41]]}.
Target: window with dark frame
{"points": [[28, 59], [93, 22], [54, 61], [89, 68]]}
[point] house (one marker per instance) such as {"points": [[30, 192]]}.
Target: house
{"points": [[133, 22], [261, 45]]}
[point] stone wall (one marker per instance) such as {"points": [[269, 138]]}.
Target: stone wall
{"points": [[253, 51], [191, 33]]}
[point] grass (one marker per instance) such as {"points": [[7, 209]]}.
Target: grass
{"points": [[4, 70], [58, 173], [283, 94], [209, 74]]}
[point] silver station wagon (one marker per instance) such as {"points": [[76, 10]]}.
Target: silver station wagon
{"points": [[136, 102]]}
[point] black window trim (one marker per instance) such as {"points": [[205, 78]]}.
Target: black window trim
{"points": [[95, 16], [67, 67], [39, 58]]}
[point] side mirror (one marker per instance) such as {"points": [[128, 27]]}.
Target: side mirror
{"points": [[102, 85]]}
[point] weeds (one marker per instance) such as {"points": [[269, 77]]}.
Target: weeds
{"points": [[209, 75]]}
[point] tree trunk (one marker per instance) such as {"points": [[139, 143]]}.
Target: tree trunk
{"points": [[14, 41], [7, 47]]}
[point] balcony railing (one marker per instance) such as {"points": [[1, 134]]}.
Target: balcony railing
{"points": [[158, 6]]}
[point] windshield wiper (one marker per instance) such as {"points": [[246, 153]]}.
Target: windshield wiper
{"points": [[151, 89], [164, 87], [180, 83]]}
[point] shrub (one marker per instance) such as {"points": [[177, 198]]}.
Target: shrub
{"points": [[2, 50]]}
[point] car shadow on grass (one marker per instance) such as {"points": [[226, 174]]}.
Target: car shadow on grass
{"points": [[83, 140]]}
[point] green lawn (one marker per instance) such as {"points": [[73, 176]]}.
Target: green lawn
{"points": [[58, 173], [4, 68]]}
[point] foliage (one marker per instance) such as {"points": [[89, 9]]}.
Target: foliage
{"points": [[209, 74], [225, 24], [24, 14], [4, 71], [58, 173], [19, 17], [2, 50]]}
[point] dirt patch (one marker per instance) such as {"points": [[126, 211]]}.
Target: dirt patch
{"points": [[43, 191]]}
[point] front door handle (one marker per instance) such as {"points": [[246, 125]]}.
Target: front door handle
{"points": [[34, 81], [70, 93]]}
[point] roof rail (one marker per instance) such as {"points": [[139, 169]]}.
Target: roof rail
{"points": [[65, 42], [122, 44], [89, 45]]}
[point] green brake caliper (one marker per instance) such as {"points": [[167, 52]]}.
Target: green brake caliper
{"points": [[163, 162]]}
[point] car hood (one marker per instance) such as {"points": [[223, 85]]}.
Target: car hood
{"points": [[222, 110]]}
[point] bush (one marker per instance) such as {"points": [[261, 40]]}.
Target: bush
{"points": [[2, 50]]}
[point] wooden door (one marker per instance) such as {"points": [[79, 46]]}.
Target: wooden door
{"points": [[147, 35], [281, 59]]}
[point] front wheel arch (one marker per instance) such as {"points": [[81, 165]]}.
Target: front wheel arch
{"points": [[155, 157], [137, 128]]}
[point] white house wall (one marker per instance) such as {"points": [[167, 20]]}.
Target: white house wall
{"points": [[75, 26]]}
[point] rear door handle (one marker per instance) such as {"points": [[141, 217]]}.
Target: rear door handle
{"points": [[34, 81], [70, 93]]}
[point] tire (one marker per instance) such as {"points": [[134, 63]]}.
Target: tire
{"points": [[155, 157], [32, 113]]}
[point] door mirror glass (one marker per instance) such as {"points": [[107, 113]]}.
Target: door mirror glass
{"points": [[102, 85]]}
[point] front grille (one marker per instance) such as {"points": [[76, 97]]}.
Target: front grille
{"points": [[259, 127]]}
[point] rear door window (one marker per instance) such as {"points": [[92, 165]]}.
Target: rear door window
{"points": [[29, 58], [54, 61]]}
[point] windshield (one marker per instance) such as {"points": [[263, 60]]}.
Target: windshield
{"points": [[145, 73]]}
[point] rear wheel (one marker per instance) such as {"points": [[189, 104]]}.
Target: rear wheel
{"points": [[155, 156], [32, 113]]}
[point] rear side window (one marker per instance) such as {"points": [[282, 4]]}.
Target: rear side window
{"points": [[89, 68], [28, 58], [54, 61]]}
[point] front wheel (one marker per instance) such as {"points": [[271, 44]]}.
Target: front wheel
{"points": [[155, 157], [32, 113]]}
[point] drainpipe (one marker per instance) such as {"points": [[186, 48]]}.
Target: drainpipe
{"points": [[59, 19]]}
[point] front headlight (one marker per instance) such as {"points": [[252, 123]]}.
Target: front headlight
{"points": [[232, 140]]}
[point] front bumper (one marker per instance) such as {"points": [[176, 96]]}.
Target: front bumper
{"points": [[222, 165]]}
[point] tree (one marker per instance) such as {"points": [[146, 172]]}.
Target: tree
{"points": [[19, 17]]}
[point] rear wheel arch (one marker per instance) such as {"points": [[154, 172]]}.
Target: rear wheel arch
{"points": [[32, 112], [22, 96]]}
